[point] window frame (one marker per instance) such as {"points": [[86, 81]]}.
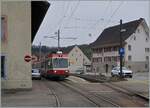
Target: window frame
{"points": [[4, 38], [129, 48], [129, 56]]}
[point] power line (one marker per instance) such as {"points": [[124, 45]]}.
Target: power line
{"points": [[114, 13], [61, 21], [62, 18], [74, 9], [102, 19]]}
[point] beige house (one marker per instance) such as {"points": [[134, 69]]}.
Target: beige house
{"points": [[136, 42], [15, 44], [16, 33], [78, 61]]}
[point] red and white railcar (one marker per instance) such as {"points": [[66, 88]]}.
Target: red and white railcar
{"points": [[55, 66]]}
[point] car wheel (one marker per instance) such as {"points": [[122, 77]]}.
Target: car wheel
{"points": [[130, 76]]}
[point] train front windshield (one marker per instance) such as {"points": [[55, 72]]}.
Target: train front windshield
{"points": [[60, 63]]}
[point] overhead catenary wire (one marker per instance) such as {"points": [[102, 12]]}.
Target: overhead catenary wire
{"points": [[61, 20], [112, 15], [121, 3], [74, 10], [101, 18]]}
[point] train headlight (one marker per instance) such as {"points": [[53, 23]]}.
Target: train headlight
{"points": [[66, 71], [55, 71]]}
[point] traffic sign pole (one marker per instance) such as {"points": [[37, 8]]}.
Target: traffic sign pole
{"points": [[120, 49]]}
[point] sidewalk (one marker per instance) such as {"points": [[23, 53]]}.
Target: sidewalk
{"points": [[139, 84], [139, 87], [40, 95]]}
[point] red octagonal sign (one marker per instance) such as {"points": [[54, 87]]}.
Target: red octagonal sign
{"points": [[27, 58]]}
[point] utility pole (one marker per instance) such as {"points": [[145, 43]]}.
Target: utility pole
{"points": [[121, 55], [58, 39]]}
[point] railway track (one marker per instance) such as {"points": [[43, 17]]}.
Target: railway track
{"points": [[117, 88], [99, 101], [124, 90], [52, 92], [56, 97], [139, 99]]}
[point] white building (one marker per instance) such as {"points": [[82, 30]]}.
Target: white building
{"points": [[136, 42], [78, 61]]}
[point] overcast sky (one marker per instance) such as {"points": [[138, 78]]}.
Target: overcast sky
{"points": [[85, 20]]}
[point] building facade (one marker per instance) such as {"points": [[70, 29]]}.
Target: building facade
{"points": [[136, 42], [15, 44], [78, 61]]}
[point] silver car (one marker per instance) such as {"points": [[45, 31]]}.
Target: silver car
{"points": [[125, 72], [36, 74]]}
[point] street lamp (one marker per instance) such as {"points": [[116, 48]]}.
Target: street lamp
{"points": [[121, 49]]}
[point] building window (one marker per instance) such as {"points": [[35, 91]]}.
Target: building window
{"points": [[3, 65], [3, 28], [129, 47], [129, 57], [147, 39], [146, 49], [100, 59], [147, 58], [107, 59], [146, 66], [115, 48], [76, 59], [114, 58]]}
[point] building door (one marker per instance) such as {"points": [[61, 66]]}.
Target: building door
{"points": [[3, 59]]}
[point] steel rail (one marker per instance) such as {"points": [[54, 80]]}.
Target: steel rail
{"points": [[125, 91], [52, 92], [88, 95], [56, 97]]}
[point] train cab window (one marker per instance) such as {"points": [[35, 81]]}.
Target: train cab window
{"points": [[60, 63]]}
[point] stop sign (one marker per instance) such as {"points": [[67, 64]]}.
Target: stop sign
{"points": [[27, 58]]}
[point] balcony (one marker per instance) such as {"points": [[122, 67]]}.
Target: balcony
{"points": [[112, 53]]}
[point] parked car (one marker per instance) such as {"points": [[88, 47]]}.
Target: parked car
{"points": [[36, 74], [125, 72]]}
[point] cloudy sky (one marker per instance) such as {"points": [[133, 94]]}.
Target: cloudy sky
{"points": [[85, 20]]}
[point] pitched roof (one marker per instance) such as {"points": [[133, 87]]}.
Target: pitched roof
{"points": [[111, 35]]}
